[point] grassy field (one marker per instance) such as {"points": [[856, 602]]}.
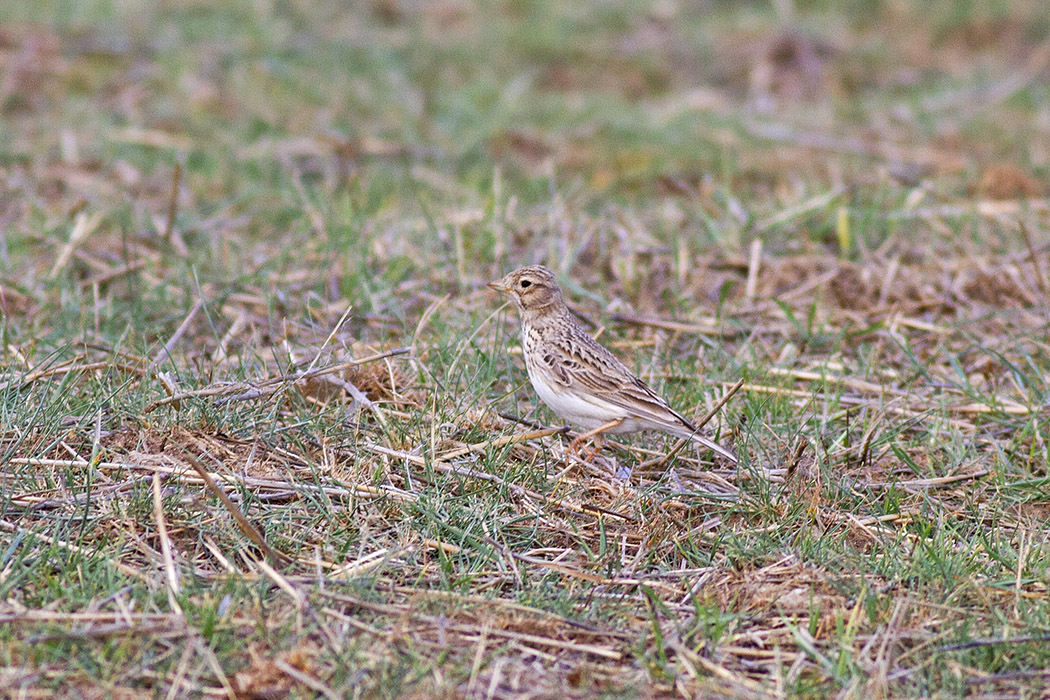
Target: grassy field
{"points": [[264, 433]]}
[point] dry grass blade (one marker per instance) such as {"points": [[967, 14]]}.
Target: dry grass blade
{"points": [[498, 442], [282, 583], [173, 201], [243, 524], [534, 496], [1044, 284], [932, 482], [816, 203], [216, 667], [165, 352], [675, 326], [68, 368], [976, 643], [83, 227], [796, 458], [320, 350], [371, 561], [171, 574], [592, 649], [268, 386], [306, 679], [130, 571], [104, 631], [754, 263]]}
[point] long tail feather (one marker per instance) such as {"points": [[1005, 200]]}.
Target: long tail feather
{"points": [[711, 444]]}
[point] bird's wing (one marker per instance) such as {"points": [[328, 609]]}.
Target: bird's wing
{"points": [[579, 363]]}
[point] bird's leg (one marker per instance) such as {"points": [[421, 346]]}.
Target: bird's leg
{"points": [[599, 438], [597, 446], [574, 445]]}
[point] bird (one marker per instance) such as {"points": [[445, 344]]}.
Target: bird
{"points": [[577, 377]]}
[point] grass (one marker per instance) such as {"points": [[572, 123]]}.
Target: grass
{"points": [[252, 242]]}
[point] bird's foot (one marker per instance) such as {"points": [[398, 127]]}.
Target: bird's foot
{"points": [[599, 439]]}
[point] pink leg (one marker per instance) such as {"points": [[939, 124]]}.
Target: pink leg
{"points": [[599, 438]]}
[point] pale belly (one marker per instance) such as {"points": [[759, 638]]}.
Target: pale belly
{"points": [[587, 412]]}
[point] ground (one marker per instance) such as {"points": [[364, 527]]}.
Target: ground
{"points": [[265, 433]]}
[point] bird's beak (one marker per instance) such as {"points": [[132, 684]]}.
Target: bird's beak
{"points": [[498, 285]]}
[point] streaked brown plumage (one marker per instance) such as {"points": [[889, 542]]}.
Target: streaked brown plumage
{"points": [[578, 378]]}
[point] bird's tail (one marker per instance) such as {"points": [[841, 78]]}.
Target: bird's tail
{"points": [[711, 444]]}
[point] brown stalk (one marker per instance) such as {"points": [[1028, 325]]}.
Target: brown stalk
{"points": [[173, 200], [243, 524], [165, 352], [1040, 274], [268, 386], [170, 573]]}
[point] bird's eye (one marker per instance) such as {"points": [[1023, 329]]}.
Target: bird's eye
{"points": [[525, 284]]}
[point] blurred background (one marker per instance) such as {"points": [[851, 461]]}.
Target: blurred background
{"points": [[410, 123]]}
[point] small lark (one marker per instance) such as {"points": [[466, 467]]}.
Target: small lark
{"points": [[578, 378]]}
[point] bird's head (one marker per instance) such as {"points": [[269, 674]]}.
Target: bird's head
{"points": [[533, 288]]}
